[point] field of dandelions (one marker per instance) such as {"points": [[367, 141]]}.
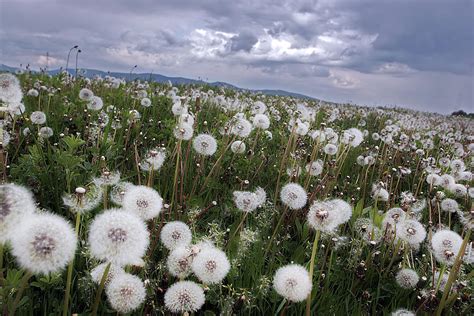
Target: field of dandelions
{"points": [[149, 199]]}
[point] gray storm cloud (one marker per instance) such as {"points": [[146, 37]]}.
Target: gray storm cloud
{"points": [[411, 53]]}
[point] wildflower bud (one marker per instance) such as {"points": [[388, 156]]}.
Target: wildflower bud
{"points": [[166, 206], [80, 190], [214, 203]]}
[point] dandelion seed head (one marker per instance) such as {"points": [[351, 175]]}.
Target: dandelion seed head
{"points": [[118, 236], [107, 178], [245, 201], [211, 265], [184, 296], [125, 293], [449, 205], [261, 121], [179, 261], [98, 272], [142, 201], [38, 117], [10, 90], [458, 189], [83, 200], [411, 231], [205, 144], [145, 102], [292, 282], [445, 245], [183, 132], [393, 217], [16, 203], [407, 278], [241, 127], [294, 196], [86, 94], [330, 149], [95, 103], [402, 312], [238, 147], [118, 192], [45, 132], [379, 193], [175, 234], [44, 243], [321, 216]]}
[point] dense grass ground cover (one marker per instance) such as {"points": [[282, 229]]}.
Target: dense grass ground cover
{"points": [[405, 174]]}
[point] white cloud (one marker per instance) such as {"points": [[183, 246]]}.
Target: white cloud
{"points": [[210, 43], [49, 61], [394, 68], [342, 79]]}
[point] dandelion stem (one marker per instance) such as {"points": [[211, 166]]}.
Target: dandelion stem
{"points": [[100, 289], [176, 169], [69, 272], [1, 263], [311, 269], [21, 289], [275, 232], [454, 272], [282, 165], [244, 216]]}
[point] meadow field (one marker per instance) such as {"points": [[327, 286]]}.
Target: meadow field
{"points": [[133, 197]]}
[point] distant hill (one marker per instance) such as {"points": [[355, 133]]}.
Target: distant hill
{"points": [[90, 73]]}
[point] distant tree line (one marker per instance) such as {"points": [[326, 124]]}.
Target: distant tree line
{"points": [[462, 113]]}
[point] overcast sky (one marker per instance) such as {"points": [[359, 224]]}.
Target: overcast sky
{"points": [[412, 53]]}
